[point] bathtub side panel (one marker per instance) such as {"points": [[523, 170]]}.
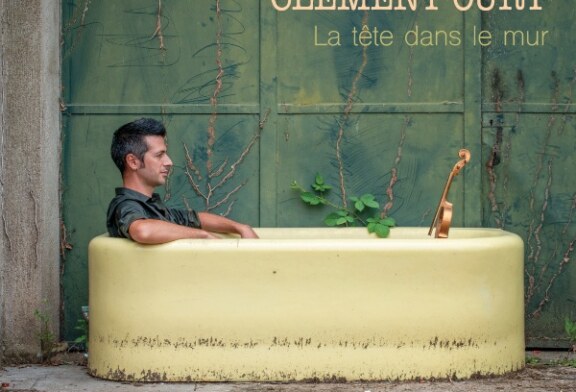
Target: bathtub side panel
{"points": [[292, 311]]}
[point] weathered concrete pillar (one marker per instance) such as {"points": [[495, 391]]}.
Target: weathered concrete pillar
{"points": [[29, 174]]}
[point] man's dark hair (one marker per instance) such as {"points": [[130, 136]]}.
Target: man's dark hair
{"points": [[129, 139]]}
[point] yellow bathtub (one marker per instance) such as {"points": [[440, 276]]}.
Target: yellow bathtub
{"points": [[312, 304]]}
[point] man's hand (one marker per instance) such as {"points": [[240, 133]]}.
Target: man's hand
{"points": [[219, 224], [246, 231]]}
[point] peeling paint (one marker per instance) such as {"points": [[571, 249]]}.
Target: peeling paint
{"points": [[182, 343], [267, 375], [535, 215]]}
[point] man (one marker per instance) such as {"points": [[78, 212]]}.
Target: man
{"points": [[140, 153]]}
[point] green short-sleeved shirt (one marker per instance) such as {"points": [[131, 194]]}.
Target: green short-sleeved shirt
{"points": [[128, 206]]}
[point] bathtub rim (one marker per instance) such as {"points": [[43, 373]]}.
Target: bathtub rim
{"points": [[462, 239]]}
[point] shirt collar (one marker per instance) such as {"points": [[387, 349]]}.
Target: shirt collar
{"points": [[136, 195]]}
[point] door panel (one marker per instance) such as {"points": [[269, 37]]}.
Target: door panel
{"points": [[254, 99]]}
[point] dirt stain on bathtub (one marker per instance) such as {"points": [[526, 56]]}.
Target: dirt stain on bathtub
{"points": [[147, 342]]}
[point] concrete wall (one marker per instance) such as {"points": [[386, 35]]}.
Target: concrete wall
{"points": [[29, 174]]}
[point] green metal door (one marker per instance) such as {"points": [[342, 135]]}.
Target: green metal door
{"points": [[376, 101], [528, 156]]}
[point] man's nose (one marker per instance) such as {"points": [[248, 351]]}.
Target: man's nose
{"points": [[167, 161]]}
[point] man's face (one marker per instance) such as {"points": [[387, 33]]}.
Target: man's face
{"points": [[157, 163]]}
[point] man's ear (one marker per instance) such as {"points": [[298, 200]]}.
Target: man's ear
{"points": [[132, 162]]}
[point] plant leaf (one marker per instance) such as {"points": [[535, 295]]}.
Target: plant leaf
{"points": [[311, 198], [371, 227], [319, 184], [369, 201], [331, 219], [388, 221], [295, 186], [570, 328], [382, 231]]}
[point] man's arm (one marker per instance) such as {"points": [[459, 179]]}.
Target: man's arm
{"points": [[154, 231]]}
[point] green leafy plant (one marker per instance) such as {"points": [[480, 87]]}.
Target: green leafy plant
{"points": [[567, 362], [358, 213], [45, 335], [532, 360], [82, 326], [570, 328]]}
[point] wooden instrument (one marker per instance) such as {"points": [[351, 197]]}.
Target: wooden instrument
{"points": [[443, 216]]}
